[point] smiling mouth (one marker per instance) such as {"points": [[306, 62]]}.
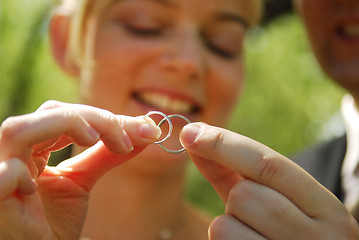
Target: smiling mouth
{"points": [[165, 103], [349, 31]]}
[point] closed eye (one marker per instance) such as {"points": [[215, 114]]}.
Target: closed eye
{"points": [[142, 31], [220, 51]]}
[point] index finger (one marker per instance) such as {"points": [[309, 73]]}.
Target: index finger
{"points": [[255, 161]]}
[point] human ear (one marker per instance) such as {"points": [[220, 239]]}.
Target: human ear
{"points": [[59, 39]]}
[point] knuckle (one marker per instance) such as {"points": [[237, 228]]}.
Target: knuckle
{"points": [[267, 168], [71, 116], [240, 193], [11, 127], [49, 104], [348, 226], [109, 117], [73, 122], [335, 225], [352, 227], [113, 123], [217, 229], [217, 140]]}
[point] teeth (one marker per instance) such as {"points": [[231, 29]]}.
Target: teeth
{"points": [[165, 103], [351, 30], [180, 106]]}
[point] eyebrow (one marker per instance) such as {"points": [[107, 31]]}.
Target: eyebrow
{"points": [[233, 17], [165, 2]]}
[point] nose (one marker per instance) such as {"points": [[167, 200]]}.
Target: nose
{"points": [[185, 56]]}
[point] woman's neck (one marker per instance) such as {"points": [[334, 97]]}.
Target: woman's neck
{"points": [[135, 204]]}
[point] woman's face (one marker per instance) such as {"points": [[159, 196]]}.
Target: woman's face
{"points": [[174, 56]]}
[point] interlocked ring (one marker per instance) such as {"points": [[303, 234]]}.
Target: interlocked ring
{"points": [[161, 123], [170, 128], [166, 118]]}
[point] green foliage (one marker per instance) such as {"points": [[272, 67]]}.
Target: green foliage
{"points": [[285, 103], [28, 75]]}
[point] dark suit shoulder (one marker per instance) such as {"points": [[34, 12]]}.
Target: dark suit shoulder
{"points": [[320, 153], [324, 162]]}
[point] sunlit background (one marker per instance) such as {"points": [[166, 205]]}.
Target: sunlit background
{"points": [[287, 104]]}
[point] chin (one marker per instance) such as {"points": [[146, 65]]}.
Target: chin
{"points": [[155, 157]]}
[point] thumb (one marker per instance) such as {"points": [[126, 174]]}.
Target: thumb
{"points": [[87, 167], [220, 177]]}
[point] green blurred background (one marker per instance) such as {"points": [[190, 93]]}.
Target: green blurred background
{"points": [[287, 102]]}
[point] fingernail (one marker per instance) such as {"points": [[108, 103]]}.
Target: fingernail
{"points": [[190, 133], [150, 131], [127, 141]]}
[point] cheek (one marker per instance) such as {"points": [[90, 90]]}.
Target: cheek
{"points": [[227, 81], [224, 89], [114, 52], [110, 77], [118, 61], [317, 19], [315, 16]]}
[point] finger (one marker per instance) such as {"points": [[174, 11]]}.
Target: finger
{"points": [[51, 104], [259, 163], [114, 129], [220, 177], [53, 145], [19, 134], [83, 124], [128, 123], [87, 167], [227, 227], [41, 154], [268, 212], [14, 177]]}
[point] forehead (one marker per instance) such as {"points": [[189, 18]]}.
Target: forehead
{"points": [[250, 9]]}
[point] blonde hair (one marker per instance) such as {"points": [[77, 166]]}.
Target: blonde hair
{"points": [[78, 12]]}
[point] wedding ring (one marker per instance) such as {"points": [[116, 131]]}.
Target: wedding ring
{"points": [[170, 128], [160, 124], [166, 118]]}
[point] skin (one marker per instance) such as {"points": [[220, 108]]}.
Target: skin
{"points": [[174, 51], [173, 59], [266, 195], [336, 50], [162, 47], [45, 210]]}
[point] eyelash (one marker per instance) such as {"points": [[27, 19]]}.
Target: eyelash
{"points": [[219, 51], [148, 32], [143, 32]]}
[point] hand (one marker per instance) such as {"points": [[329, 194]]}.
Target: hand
{"points": [[40, 202], [267, 196]]}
